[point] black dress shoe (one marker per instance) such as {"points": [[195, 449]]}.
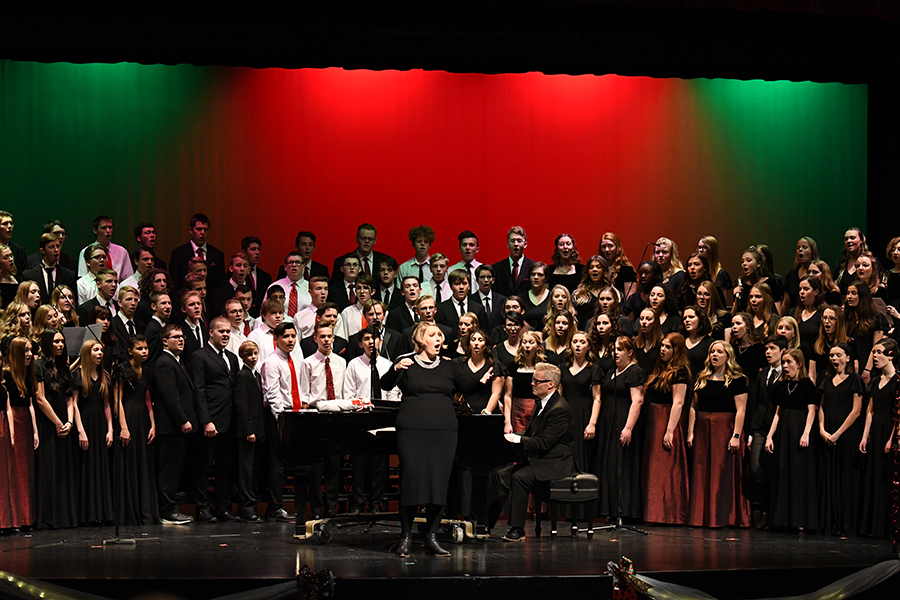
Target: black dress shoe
{"points": [[404, 545], [353, 512], [226, 516], [204, 516], [515, 534], [280, 515], [250, 517], [432, 546], [331, 514]]}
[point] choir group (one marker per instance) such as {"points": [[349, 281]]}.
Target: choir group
{"points": [[698, 400]]}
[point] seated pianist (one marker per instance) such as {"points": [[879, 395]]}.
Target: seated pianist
{"points": [[548, 443]]}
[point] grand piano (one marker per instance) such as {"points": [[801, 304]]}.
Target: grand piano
{"points": [[307, 435]]}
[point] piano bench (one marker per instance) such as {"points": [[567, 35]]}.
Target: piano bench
{"points": [[580, 490]]}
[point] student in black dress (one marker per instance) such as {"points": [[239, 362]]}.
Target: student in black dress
{"points": [[708, 248], [666, 256], [580, 381], [537, 300], [832, 331], [697, 269], [560, 300], [63, 298], [426, 432], [619, 443], [665, 469], [566, 268], [854, 245], [840, 461], [879, 438], [621, 272], [868, 270], [719, 318], [93, 419], [663, 304], [647, 340], [864, 324], [603, 341], [807, 252], [113, 350], [761, 307], [484, 398], [505, 352], [137, 430], [795, 502], [755, 271], [808, 314], [787, 327], [748, 347], [649, 274], [714, 432], [20, 384], [558, 338], [518, 401], [891, 277], [594, 279], [55, 473], [608, 303], [466, 325], [830, 290], [697, 340]]}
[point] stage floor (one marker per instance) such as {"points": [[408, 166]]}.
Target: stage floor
{"points": [[216, 559]]}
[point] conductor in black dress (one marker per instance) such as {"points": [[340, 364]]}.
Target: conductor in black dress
{"points": [[548, 441], [426, 432]]}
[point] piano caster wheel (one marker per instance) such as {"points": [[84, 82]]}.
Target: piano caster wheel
{"points": [[325, 534], [457, 533]]}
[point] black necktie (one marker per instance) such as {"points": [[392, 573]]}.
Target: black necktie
{"points": [[421, 273], [487, 305], [130, 326], [197, 332], [258, 379], [469, 270], [437, 293], [773, 375], [462, 308], [387, 297], [50, 283]]}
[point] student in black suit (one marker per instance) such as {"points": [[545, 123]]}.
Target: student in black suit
{"points": [[548, 443], [342, 291], [369, 259], [59, 230], [250, 428], [328, 313], [388, 342], [258, 280], [491, 301], [195, 332], [145, 235], [197, 246], [213, 368], [107, 282], [6, 231], [173, 395], [387, 289], [49, 273], [426, 310], [516, 264], [405, 315], [161, 304], [240, 267], [450, 310], [123, 324], [305, 245]]}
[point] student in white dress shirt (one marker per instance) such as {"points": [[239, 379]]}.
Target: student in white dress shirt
{"points": [[352, 319], [468, 248], [438, 287], [234, 312], [322, 378], [369, 472], [144, 260], [271, 315], [421, 238], [119, 260], [305, 319], [95, 257], [296, 289]]}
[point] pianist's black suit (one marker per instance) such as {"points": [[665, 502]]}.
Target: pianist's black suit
{"points": [[173, 395], [548, 443], [214, 398]]}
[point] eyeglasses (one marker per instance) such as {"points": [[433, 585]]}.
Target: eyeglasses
{"points": [[293, 263], [536, 381]]}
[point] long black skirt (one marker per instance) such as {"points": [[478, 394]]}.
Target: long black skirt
{"points": [[426, 461]]}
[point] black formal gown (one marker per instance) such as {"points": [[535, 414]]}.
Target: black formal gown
{"points": [[95, 504], [795, 501], [140, 505], [535, 313], [570, 281], [841, 465], [577, 389], [809, 333], [665, 472], [618, 467], [477, 398], [56, 475], [875, 511]]}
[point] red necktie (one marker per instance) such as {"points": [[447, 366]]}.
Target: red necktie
{"points": [[108, 260], [352, 294], [515, 275], [200, 253], [366, 266], [252, 281], [329, 380], [306, 273], [274, 339], [295, 387], [292, 303], [246, 328]]}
